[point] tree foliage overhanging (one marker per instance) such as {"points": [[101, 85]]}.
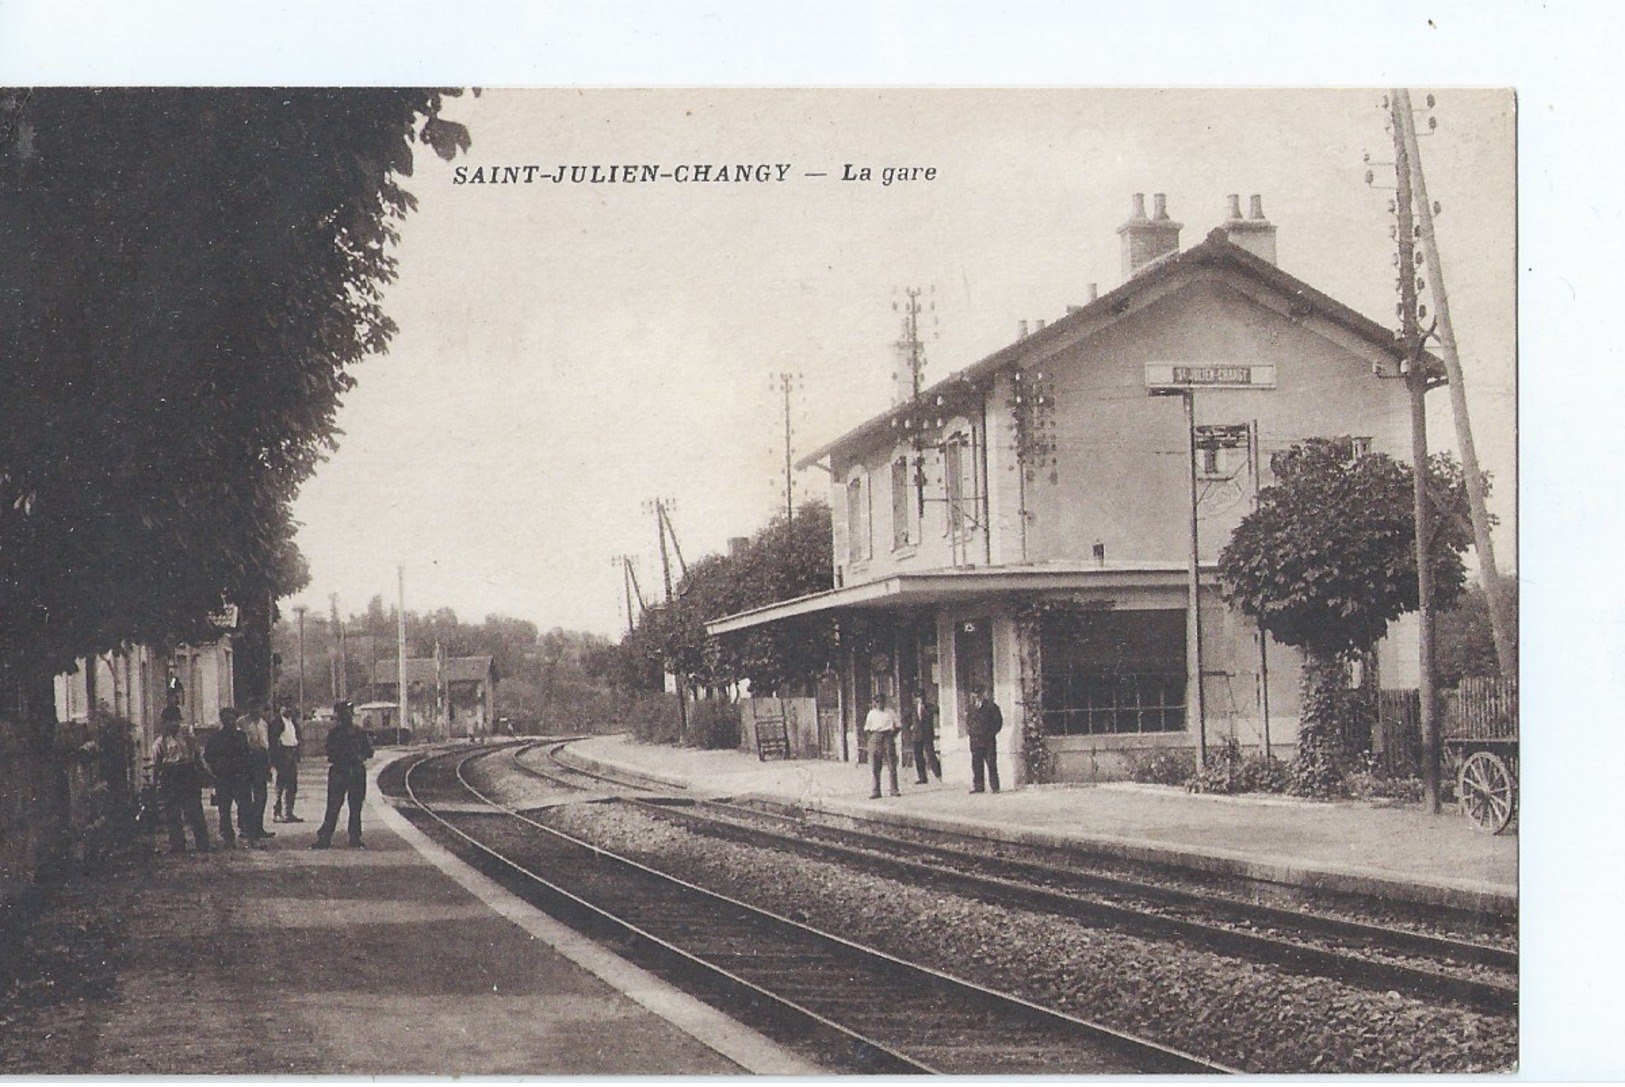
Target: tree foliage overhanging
{"points": [[785, 560], [186, 279]]}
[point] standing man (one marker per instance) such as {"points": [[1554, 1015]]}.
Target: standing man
{"points": [[881, 727], [178, 773], [226, 755], [348, 750], [284, 733], [925, 739], [259, 773], [982, 725]]}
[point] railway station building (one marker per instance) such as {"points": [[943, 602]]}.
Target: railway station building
{"points": [[1026, 522], [136, 682]]}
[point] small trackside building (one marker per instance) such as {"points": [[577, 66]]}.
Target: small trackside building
{"points": [[1025, 523], [447, 697]]}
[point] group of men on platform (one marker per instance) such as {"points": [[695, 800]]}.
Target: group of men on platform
{"points": [[238, 762], [983, 721]]}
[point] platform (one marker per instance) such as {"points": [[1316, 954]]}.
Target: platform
{"points": [[1394, 852], [394, 960]]}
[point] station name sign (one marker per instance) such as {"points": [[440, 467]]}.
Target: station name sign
{"points": [[1205, 375]]}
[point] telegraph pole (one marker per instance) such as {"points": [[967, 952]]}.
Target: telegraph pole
{"points": [[658, 507], [299, 611], [1501, 624], [911, 348], [663, 523], [786, 382], [400, 644], [341, 659], [1416, 382], [911, 355]]}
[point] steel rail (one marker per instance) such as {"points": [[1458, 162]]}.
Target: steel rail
{"points": [[1386, 938], [878, 854], [872, 1055]]}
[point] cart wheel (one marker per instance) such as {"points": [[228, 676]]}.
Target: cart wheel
{"points": [[1486, 791]]}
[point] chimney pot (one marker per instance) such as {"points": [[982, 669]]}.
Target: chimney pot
{"points": [[1147, 240], [1094, 291], [1021, 333], [1255, 233], [1038, 325], [1235, 205], [1159, 206]]}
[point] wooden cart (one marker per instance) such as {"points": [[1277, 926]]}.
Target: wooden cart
{"points": [[1481, 727]]}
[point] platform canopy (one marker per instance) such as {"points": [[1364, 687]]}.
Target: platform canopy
{"points": [[961, 584]]}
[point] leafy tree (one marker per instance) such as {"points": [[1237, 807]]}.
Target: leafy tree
{"points": [[1464, 642], [1325, 563], [784, 560], [187, 278]]}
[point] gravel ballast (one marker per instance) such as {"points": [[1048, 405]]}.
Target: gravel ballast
{"points": [[1240, 1013]]}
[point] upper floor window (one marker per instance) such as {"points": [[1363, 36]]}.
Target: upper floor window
{"points": [[903, 528], [959, 480], [859, 542]]}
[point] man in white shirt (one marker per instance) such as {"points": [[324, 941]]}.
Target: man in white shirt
{"points": [[285, 757], [881, 727]]}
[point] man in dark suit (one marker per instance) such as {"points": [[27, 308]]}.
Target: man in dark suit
{"points": [[348, 750], [982, 725]]}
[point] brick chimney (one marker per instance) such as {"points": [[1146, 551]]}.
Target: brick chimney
{"points": [[1255, 233], [1144, 240]]}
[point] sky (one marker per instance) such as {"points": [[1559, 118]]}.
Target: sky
{"points": [[570, 352]]}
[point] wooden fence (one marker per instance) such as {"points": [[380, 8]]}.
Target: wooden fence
{"points": [[1480, 708]]}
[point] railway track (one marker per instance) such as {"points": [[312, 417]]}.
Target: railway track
{"points": [[1439, 967], [1376, 957], [1379, 957], [851, 1008]]}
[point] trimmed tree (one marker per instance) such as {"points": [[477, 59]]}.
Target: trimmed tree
{"points": [[186, 278], [1325, 563]]}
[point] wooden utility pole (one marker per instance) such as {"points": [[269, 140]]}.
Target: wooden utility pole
{"points": [[299, 612], [786, 382], [663, 523], [1416, 381], [341, 658], [1501, 622], [400, 645]]}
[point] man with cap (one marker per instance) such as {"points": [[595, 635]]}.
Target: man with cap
{"points": [[348, 750], [982, 725], [226, 755], [178, 773], [252, 818]]}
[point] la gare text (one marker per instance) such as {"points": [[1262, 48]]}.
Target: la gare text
{"points": [[724, 173]]}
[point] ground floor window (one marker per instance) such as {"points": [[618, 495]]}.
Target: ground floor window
{"points": [[1112, 672]]}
